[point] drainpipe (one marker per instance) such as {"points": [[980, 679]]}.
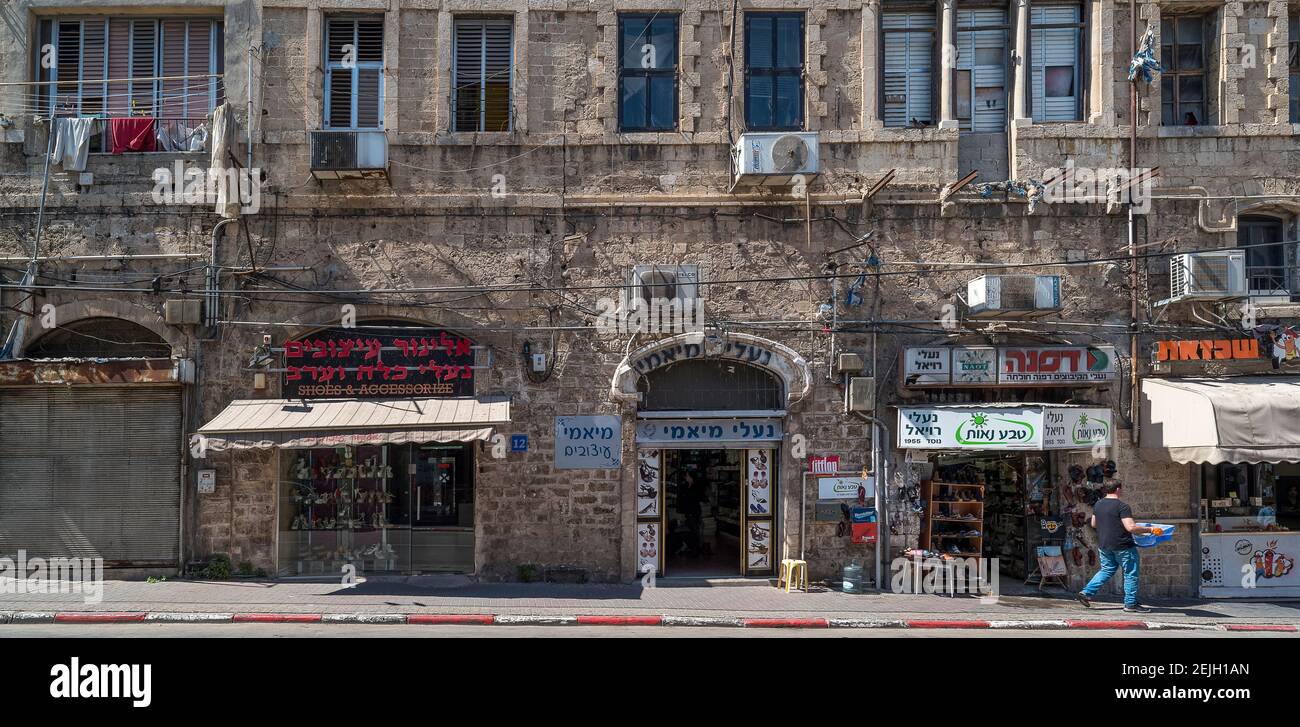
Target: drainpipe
{"points": [[1134, 394], [212, 297]]}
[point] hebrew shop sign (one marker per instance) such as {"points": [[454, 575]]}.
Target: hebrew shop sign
{"points": [[377, 363], [1008, 365], [988, 427]]}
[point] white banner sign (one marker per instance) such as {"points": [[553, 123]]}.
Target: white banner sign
{"points": [[845, 488], [992, 427]]}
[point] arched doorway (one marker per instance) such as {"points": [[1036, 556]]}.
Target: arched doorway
{"points": [[90, 465], [708, 435]]}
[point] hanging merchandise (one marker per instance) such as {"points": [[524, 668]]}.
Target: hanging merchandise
{"points": [[863, 524]]}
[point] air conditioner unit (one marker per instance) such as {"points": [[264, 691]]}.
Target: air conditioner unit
{"points": [[772, 159], [183, 312], [664, 282], [349, 154], [1208, 275], [1013, 296], [862, 393]]}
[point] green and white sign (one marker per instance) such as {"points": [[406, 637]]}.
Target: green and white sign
{"points": [[1004, 427]]}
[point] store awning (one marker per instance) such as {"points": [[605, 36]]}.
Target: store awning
{"points": [[1250, 419], [299, 424]]}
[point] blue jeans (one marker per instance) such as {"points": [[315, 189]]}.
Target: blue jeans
{"points": [[1111, 561]]}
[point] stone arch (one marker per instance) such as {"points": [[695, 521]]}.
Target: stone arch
{"points": [[784, 362], [145, 316]]}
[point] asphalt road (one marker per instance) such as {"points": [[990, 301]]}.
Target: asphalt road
{"points": [[317, 631]]}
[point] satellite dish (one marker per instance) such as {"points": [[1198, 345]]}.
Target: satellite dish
{"points": [[789, 154]]}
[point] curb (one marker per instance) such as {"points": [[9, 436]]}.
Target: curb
{"points": [[786, 623], [98, 618], [433, 619], [277, 618]]}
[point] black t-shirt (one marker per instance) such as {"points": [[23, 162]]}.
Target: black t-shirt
{"points": [[1111, 534]]}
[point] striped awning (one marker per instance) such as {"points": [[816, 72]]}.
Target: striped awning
{"points": [[299, 424]]}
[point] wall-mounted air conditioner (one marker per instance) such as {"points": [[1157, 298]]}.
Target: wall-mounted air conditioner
{"points": [[1013, 296], [664, 283], [183, 311], [773, 159], [1208, 275], [349, 154]]}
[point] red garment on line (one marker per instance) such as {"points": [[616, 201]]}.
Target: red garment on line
{"points": [[131, 133]]}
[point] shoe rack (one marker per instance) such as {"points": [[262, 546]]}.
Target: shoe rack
{"points": [[954, 512]]}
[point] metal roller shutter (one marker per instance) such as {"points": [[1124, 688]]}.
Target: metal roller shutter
{"points": [[91, 472]]}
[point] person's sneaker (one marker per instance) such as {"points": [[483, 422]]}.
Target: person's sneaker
{"points": [[1137, 609], [1087, 602]]}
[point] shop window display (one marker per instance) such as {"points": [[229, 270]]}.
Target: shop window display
{"points": [[379, 507]]}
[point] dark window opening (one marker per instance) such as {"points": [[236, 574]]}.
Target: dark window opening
{"points": [[648, 72], [1183, 81], [774, 57], [710, 385]]}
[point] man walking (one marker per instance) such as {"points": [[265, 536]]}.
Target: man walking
{"points": [[1113, 520]]}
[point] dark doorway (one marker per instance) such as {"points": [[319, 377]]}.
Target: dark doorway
{"points": [[703, 507]]}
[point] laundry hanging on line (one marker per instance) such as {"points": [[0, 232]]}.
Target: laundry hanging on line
{"points": [[72, 142], [132, 133]]}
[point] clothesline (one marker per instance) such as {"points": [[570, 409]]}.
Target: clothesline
{"points": [[111, 80]]}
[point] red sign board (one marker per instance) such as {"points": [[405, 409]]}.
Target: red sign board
{"points": [[376, 363], [825, 465]]}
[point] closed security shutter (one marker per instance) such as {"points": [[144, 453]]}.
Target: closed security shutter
{"points": [[91, 472], [982, 54], [909, 57], [483, 58], [1054, 63]]}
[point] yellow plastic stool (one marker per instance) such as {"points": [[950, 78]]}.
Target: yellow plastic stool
{"points": [[793, 572]]}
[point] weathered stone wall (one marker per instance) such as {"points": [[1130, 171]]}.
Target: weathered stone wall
{"points": [[583, 203]]}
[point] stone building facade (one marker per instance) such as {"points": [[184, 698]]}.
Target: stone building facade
{"points": [[512, 237]]}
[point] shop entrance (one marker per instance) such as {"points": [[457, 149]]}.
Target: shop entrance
{"points": [[992, 505], [702, 498]]}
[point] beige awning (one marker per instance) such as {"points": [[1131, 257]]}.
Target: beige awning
{"points": [[298, 424], [1248, 419]]}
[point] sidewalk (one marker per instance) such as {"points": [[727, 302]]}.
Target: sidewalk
{"points": [[392, 601]]}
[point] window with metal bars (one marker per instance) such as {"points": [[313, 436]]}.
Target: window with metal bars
{"points": [[1056, 64], [354, 73], [647, 75], [482, 58], [774, 58], [908, 69], [166, 68], [1293, 56], [1183, 80]]}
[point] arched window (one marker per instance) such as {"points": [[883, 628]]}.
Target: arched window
{"points": [[100, 338], [710, 385]]}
